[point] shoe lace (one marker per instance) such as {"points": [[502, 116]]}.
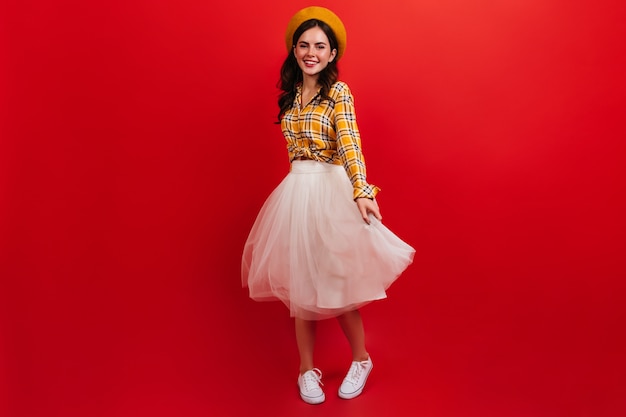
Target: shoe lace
{"points": [[312, 379], [355, 371]]}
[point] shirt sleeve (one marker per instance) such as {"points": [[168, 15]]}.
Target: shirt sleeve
{"points": [[349, 144]]}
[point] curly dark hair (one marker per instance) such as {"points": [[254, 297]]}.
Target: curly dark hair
{"points": [[291, 74]]}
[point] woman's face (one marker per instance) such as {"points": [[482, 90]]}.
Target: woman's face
{"points": [[313, 52]]}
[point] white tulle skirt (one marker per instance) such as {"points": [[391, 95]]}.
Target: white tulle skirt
{"points": [[310, 248]]}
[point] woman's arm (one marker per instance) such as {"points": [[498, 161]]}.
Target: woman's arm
{"points": [[349, 144]]}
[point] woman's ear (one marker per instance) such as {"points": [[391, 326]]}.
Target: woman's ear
{"points": [[333, 54]]}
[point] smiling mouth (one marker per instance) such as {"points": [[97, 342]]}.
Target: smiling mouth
{"points": [[310, 62]]}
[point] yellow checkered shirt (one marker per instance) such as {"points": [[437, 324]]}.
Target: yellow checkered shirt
{"points": [[326, 131]]}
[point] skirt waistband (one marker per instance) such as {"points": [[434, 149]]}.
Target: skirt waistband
{"points": [[311, 166]]}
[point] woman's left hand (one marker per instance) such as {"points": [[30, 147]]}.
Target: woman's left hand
{"points": [[367, 206]]}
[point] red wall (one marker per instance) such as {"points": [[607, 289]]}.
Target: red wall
{"points": [[137, 145]]}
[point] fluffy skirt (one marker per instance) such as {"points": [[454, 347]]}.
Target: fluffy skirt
{"points": [[310, 248]]}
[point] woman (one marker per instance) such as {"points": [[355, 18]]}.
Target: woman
{"points": [[318, 243]]}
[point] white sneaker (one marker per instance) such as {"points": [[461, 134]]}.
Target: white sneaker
{"points": [[354, 382], [309, 383]]}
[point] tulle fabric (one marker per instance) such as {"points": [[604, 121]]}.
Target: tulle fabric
{"points": [[310, 248]]}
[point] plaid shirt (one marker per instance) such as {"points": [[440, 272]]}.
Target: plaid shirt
{"points": [[326, 131]]}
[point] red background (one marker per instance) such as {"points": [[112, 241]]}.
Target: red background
{"points": [[137, 145]]}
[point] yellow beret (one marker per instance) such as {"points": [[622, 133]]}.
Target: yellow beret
{"points": [[319, 13]]}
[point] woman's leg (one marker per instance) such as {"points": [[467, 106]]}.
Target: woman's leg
{"points": [[352, 325], [305, 338], [354, 382]]}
